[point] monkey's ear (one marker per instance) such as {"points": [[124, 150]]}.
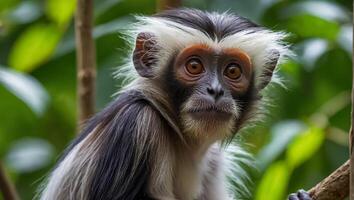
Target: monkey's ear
{"points": [[268, 70], [144, 55]]}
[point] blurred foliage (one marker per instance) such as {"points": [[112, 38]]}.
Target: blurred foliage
{"points": [[301, 142]]}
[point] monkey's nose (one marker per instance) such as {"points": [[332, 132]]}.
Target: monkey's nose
{"points": [[215, 92]]}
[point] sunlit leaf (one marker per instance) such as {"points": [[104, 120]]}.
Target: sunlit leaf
{"points": [[268, 3], [310, 50], [29, 9], [304, 146], [60, 11], [312, 26], [103, 6], [112, 27], [274, 182], [34, 46], [282, 133], [26, 88], [30, 154], [345, 38], [329, 11]]}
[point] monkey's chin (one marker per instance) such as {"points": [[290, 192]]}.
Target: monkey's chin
{"points": [[209, 124]]}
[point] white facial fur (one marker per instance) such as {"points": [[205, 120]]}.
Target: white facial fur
{"points": [[172, 36]]}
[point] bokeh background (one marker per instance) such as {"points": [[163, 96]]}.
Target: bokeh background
{"points": [[300, 141]]}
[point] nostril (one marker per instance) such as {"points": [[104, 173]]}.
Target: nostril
{"points": [[221, 92], [210, 91]]}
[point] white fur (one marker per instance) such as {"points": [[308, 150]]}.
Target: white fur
{"points": [[56, 178], [172, 37], [235, 158]]}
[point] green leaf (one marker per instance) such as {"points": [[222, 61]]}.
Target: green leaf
{"points": [[274, 182], [34, 46], [60, 11], [7, 4], [26, 88], [112, 27], [104, 6], [292, 68], [304, 146], [29, 154], [282, 134], [307, 25], [345, 38], [329, 11], [30, 9], [310, 51]]}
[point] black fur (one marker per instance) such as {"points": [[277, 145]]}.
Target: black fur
{"points": [[106, 115], [200, 20], [117, 151], [117, 156], [245, 102], [178, 92]]}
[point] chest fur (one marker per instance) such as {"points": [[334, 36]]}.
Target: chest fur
{"points": [[187, 177], [188, 182]]}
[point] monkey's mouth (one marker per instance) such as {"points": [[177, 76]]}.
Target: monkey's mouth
{"points": [[210, 112]]}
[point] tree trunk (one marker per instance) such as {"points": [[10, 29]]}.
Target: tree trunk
{"points": [[86, 59]]}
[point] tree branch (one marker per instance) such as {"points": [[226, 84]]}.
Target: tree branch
{"points": [[6, 187], [86, 59], [351, 135], [334, 187]]}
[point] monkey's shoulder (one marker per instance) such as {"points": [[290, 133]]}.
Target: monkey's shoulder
{"points": [[117, 134], [127, 110], [121, 119]]}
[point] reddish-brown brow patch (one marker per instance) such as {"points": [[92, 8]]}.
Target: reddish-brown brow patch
{"points": [[200, 51], [240, 57], [195, 49]]}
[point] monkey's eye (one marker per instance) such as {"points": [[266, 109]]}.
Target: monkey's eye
{"points": [[194, 66], [233, 71]]}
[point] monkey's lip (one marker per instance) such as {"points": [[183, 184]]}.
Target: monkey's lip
{"points": [[212, 112]]}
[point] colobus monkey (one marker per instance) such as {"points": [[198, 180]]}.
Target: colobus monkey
{"points": [[197, 78]]}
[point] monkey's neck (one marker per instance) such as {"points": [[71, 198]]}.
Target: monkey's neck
{"points": [[190, 169], [197, 147]]}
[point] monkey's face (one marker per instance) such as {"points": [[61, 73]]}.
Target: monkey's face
{"points": [[212, 84]]}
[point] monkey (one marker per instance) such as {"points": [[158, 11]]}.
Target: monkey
{"points": [[195, 80]]}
